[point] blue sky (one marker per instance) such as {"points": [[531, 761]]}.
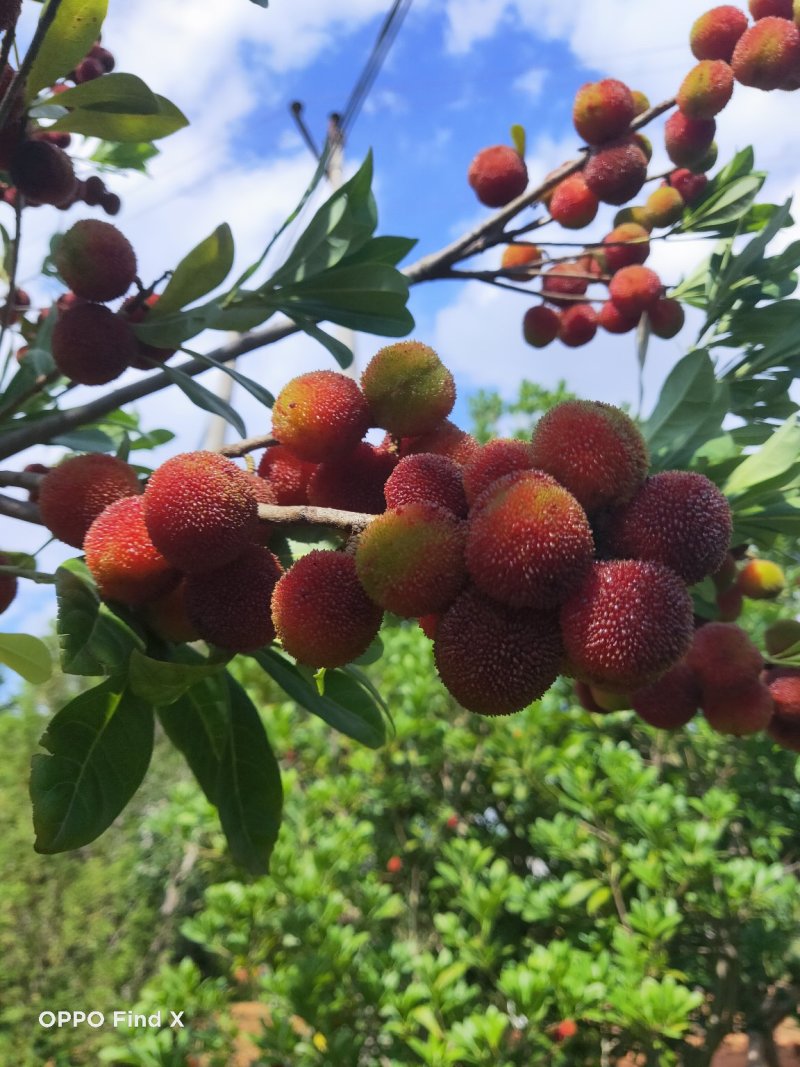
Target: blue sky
{"points": [[459, 74]]}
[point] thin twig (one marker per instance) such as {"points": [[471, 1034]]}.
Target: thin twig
{"points": [[39, 384], [42, 26], [311, 516], [21, 479], [40, 577], [20, 509], [249, 444]]}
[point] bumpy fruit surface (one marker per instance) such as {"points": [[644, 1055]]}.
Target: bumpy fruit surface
{"points": [[200, 511], [287, 474], [320, 415], [691, 186], [664, 206], [678, 518], [230, 605], [121, 557], [723, 657], [96, 260], [578, 325], [627, 623], [540, 325], [616, 172], [611, 319], [745, 709], [427, 477], [497, 175], [410, 560], [761, 579], [625, 245], [8, 585], [564, 279], [408, 388], [42, 172], [494, 460], [671, 701], [635, 289], [767, 54], [784, 727], [353, 482], [91, 345], [495, 659], [573, 204], [715, 33], [688, 140], [73, 494], [321, 613], [761, 9], [666, 317], [593, 449], [529, 542], [603, 110], [446, 440], [706, 89]]}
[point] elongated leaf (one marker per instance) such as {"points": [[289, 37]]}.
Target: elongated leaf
{"points": [[249, 793], [772, 466], [115, 94], [203, 269], [73, 32], [205, 399], [160, 682], [100, 746], [387, 250], [354, 716], [26, 656], [369, 298], [93, 639], [197, 723], [135, 155], [262, 395], [689, 411], [726, 205], [338, 349], [124, 128]]}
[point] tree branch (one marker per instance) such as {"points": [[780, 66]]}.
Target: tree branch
{"points": [[21, 479], [20, 509], [312, 516], [241, 448], [43, 25]]}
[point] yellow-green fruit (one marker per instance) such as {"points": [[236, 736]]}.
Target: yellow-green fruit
{"points": [[641, 102], [781, 635], [664, 206], [761, 579], [529, 542], [635, 213], [706, 89], [408, 388], [320, 415], [410, 560]]}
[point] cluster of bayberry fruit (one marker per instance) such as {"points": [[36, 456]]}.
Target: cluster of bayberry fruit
{"points": [[522, 560], [764, 55], [35, 160], [91, 344]]}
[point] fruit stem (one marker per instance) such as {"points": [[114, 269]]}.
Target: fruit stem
{"points": [[313, 516]]}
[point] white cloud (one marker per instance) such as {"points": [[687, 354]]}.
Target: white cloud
{"points": [[531, 82]]}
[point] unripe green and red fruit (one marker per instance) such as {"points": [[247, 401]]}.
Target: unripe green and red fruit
{"points": [[410, 560], [761, 579], [678, 518], [593, 449], [74, 493], [635, 289], [627, 623], [122, 559], [200, 511], [573, 204], [603, 110], [408, 389], [688, 140], [493, 461], [321, 613], [320, 415], [767, 54], [495, 659], [520, 255], [91, 345], [529, 542], [706, 89], [42, 172], [664, 206], [497, 175], [626, 245], [715, 33], [578, 325], [616, 171], [540, 325], [96, 260], [230, 605], [427, 477]]}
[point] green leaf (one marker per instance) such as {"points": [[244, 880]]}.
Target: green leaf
{"points": [[338, 349], [689, 411], [203, 269], [205, 399], [772, 466], [118, 107], [160, 682], [74, 30], [197, 724], [727, 204], [93, 639], [262, 395], [26, 656], [518, 138], [289, 543], [249, 793], [356, 718], [342, 225], [134, 155], [88, 439], [100, 746], [387, 250]]}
